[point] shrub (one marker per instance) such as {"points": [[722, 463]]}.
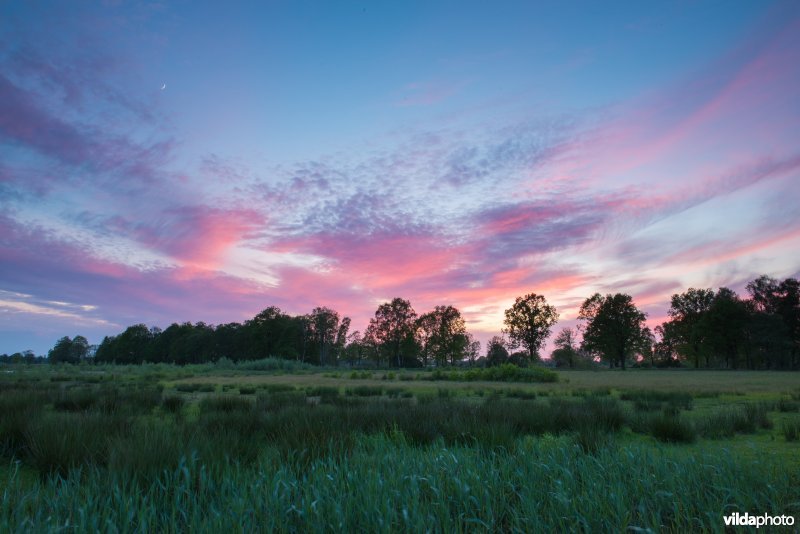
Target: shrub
{"points": [[247, 390]]}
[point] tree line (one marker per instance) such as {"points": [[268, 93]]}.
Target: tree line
{"points": [[706, 328]]}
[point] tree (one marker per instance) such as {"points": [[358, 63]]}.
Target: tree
{"points": [[341, 338], [61, 352], [442, 335], [393, 329], [496, 352], [665, 352], [473, 349], [566, 351], [427, 328], [528, 323], [79, 349], [324, 327], [274, 333], [68, 350], [614, 327], [780, 299], [726, 326], [688, 312], [354, 349]]}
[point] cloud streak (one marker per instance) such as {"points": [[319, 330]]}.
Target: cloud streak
{"points": [[126, 219]]}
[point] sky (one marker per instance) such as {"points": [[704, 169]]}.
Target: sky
{"points": [[189, 161]]}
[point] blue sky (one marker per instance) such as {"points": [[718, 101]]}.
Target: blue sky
{"points": [[341, 154]]}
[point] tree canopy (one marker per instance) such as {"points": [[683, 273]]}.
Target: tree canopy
{"points": [[614, 329], [528, 323], [707, 328]]}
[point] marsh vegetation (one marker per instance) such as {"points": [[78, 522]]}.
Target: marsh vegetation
{"points": [[204, 447]]}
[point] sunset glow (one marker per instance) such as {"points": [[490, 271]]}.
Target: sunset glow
{"points": [[164, 163]]}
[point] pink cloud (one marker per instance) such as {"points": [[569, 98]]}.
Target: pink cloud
{"points": [[198, 236]]}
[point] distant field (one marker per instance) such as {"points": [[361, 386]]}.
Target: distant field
{"points": [[279, 446], [768, 382]]}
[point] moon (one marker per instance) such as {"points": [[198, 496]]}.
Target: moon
{"points": [[163, 87]]}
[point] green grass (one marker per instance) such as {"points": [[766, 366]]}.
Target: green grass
{"points": [[290, 452], [387, 485]]}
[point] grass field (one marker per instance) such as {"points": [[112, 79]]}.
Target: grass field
{"points": [[276, 446]]}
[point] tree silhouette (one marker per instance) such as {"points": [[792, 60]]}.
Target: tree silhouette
{"points": [[614, 328], [528, 323]]}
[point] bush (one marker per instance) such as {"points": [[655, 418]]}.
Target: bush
{"points": [[247, 390]]}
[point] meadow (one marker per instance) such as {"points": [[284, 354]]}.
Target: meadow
{"points": [[278, 446]]}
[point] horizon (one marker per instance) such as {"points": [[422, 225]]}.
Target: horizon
{"points": [[164, 164]]}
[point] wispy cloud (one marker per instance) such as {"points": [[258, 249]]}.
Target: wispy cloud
{"points": [[563, 204]]}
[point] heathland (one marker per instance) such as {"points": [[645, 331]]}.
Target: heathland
{"points": [[273, 445]]}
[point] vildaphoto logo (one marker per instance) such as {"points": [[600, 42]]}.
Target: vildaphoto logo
{"points": [[765, 520]]}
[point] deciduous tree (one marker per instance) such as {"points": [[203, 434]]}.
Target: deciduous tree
{"points": [[528, 323], [614, 327]]}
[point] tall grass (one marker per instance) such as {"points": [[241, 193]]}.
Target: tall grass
{"points": [[111, 458], [731, 420], [387, 485]]}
